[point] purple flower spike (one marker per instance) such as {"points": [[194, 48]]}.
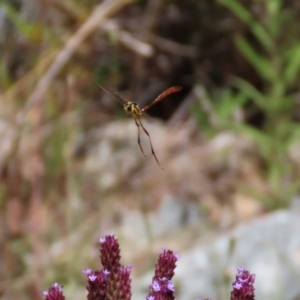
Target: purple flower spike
{"points": [[113, 281], [243, 288], [54, 293], [110, 253], [96, 286], [166, 264], [162, 288]]}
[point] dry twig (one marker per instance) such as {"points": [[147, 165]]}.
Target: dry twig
{"points": [[101, 13]]}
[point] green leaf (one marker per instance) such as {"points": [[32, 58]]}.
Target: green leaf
{"points": [[238, 9], [263, 140], [293, 64], [250, 91], [259, 32], [274, 6], [294, 136], [29, 29], [262, 35], [229, 103], [263, 66]]}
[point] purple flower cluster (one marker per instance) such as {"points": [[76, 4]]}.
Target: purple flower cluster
{"points": [[243, 288], [113, 282], [54, 293], [162, 288]]}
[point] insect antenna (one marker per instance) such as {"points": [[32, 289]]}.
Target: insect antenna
{"points": [[116, 96]]}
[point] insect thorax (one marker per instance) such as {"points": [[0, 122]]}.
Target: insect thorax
{"points": [[133, 109]]}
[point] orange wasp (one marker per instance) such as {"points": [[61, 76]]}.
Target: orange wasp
{"points": [[133, 109]]}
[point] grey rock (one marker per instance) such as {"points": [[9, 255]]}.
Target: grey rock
{"points": [[268, 247]]}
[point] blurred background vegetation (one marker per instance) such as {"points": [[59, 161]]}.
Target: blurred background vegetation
{"points": [[70, 166]]}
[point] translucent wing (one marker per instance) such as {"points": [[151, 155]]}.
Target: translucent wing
{"points": [[171, 90]]}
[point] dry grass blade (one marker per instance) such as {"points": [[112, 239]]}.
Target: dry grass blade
{"points": [[128, 40]]}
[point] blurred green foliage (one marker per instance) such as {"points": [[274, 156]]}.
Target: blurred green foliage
{"points": [[274, 53]]}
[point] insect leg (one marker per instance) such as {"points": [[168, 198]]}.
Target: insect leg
{"points": [[139, 140], [138, 120]]}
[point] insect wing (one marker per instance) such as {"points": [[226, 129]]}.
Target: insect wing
{"points": [[171, 90]]}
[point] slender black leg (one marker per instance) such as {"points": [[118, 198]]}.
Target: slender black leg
{"points": [[139, 140], [138, 120]]}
